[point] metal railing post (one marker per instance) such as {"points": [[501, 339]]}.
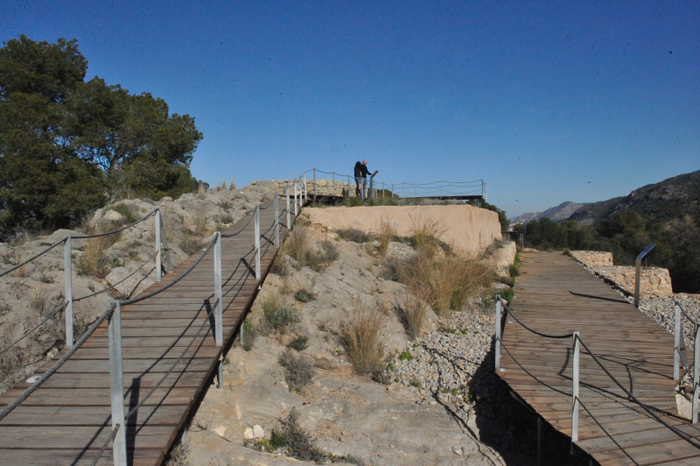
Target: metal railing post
{"points": [[116, 384], [159, 276], [677, 335], [348, 185], [164, 240], [498, 333], [333, 182], [638, 273], [315, 187], [306, 192], [575, 378], [402, 191], [277, 220], [257, 243], [68, 287], [696, 367], [296, 204], [289, 213], [218, 320]]}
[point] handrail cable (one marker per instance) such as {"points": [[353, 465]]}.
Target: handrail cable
{"points": [[29, 332], [180, 277], [532, 375], [545, 335], [685, 313], [111, 287], [97, 235], [106, 444], [61, 241], [32, 388], [269, 204], [605, 431], [229, 235], [634, 399]]}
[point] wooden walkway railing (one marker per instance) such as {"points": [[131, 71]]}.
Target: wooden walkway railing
{"points": [[169, 349], [636, 425]]}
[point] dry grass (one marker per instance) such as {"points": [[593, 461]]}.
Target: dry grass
{"points": [[298, 370], [201, 191], [39, 299], [277, 314], [94, 261], [232, 185], [297, 245], [412, 312], [191, 243], [386, 232], [426, 232], [360, 335]]}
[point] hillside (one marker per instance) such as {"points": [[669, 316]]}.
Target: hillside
{"points": [[558, 213], [670, 199]]}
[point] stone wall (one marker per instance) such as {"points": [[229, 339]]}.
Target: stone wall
{"points": [[654, 281], [469, 229]]}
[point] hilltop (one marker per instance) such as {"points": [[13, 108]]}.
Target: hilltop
{"points": [[561, 212]]}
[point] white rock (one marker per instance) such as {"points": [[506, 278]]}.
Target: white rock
{"points": [[258, 431]]}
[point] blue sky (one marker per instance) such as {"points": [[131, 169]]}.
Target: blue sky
{"points": [[545, 101]]}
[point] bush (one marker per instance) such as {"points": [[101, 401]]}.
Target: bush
{"points": [[297, 440], [277, 314], [298, 371], [386, 233], [249, 334], [412, 313], [297, 245], [360, 335], [191, 243], [304, 296], [354, 235], [318, 260], [94, 262], [300, 343]]}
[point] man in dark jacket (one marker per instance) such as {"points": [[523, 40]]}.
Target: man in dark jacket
{"points": [[361, 173]]}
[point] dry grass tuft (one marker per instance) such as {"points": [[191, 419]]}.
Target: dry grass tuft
{"points": [[412, 312], [386, 232], [39, 299], [360, 335], [232, 185], [426, 232], [94, 261], [298, 370], [297, 245]]}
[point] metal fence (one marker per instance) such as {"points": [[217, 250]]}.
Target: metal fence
{"points": [[113, 313]]}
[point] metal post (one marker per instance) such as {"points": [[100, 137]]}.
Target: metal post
{"points": [[164, 240], [241, 332], [277, 220], [677, 335], [68, 286], [158, 260], [116, 384], [333, 182], [296, 204], [402, 192], [575, 378], [289, 213], [498, 333], [696, 367], [348, 185], [218, 319], [257, 243], [315, 187], [638, 273]]}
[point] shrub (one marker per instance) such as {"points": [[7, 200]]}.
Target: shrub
{"points": [[297, 245], [191, 243], [304, 296], [249, 334], [360, 335], [225, 204], [412, 313], [300, 343], [93, 261], [276, 313], [297, 440], [298, 371], [386, 232], [354, 235], [318, 260], [280, 266], [426, 231]]}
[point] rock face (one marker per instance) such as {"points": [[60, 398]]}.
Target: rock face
{"points": [[654, 281], [470, 229]]}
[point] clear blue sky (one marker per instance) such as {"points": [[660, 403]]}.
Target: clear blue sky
{"points": [[545, 101]]}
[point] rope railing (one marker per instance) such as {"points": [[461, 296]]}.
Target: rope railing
{"points": [[34, 386], [29, 332], [576, 401], [118, 230], [113, 286], [109, 440], [36, 256]]}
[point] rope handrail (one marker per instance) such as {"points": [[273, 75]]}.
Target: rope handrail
{"points": [[229, 235], [29, 332], [605, 431], [176, 280], [61, 241], [111, 287], [545, 335], [634, 399], [680, 306], [269, 204], [106, 444], [97, 235], [33, 387]]}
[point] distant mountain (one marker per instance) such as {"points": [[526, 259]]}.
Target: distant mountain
{"points": [[561, 212], [670, 199]]}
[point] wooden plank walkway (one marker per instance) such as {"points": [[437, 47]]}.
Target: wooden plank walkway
{"points": [[555, 295], [67, 420]]}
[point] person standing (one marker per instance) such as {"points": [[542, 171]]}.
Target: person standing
{"points": [[361, 173]]}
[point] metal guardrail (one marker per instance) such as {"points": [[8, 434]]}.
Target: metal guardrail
{"points": [[436, 190], [113, 314], [576, 401]]}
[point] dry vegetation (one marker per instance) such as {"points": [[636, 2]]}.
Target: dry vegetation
{"points": [[360, 335]]}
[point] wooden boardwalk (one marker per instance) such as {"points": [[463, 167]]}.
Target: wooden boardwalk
{"points": [[67, 420], [555, 295]]}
